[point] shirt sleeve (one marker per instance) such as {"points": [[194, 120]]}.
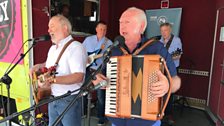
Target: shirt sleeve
{"points": [[77, 60], [179, 44]]}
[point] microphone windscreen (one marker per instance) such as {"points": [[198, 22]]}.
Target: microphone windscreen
{"points": [[120, 39], [46, 37]]}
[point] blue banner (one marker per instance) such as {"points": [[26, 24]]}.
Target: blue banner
{"points": [[158, 16]]}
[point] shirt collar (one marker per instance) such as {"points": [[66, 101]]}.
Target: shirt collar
{"points": [[162, 39], [139, 44], [64, 41], [100, 39]]}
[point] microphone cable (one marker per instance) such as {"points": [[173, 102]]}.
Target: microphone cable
{"points": [[2, 97], [16, 55]]}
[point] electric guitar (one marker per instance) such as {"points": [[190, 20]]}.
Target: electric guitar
{"points": [[92, 56]]}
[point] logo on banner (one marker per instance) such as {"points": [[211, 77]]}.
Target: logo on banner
{"points": [[161, 20], [7, 25]]}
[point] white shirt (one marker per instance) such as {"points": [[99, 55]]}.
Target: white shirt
{"points": [[72, 60]]}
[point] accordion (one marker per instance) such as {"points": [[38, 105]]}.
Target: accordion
{"points": [[128, 94]]}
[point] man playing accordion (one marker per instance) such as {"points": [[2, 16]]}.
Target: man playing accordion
{"points": [[132, 26]]}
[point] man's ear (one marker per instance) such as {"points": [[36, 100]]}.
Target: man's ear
{"points": [[65, 27], [96, 28], [142, 27]]}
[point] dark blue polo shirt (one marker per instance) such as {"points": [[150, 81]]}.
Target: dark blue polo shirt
{"points": [[155, 48]]}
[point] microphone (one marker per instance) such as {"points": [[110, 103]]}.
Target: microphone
{"points": [[120, 39], [102, 83], [117, 41], [41, 38]]}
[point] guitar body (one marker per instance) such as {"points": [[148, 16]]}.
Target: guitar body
{"points": [[176, 53], [91, 60], [41, 90], [92, 56], [43, 93]]}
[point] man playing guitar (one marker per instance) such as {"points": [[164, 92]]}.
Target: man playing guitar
{"points": [[71, 71], [97, 44], [171, 42], [174, 47]]}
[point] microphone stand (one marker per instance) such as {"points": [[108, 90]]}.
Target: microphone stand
{"points": [[86, 87], [43, 102], [6, 79]]}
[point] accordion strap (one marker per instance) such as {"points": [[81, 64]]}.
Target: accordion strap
{"points": [[125, 52], [149, 42], [169, 91]]}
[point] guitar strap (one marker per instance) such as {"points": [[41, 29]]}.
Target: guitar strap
{"points": [[62, 51], [103, 45], [169, 42]]}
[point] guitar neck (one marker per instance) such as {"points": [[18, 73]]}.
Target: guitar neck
{"points": [[97, 56]]}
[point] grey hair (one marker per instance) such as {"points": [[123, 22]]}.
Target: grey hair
{"points": [[64, 21], [166, 24], [141, 16]]}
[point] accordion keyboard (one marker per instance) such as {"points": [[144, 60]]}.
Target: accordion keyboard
{"points": [[111, 89]]}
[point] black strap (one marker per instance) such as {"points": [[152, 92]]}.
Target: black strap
{"points": [[169, 42]]}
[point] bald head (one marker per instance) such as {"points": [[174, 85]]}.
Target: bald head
{"points": [[132, 23], [138, 14]]}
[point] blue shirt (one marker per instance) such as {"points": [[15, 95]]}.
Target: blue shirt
{"points": [[155, 48], [92, 44], [175, 44]]}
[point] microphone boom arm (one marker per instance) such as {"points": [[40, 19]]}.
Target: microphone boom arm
{"points": [[6, 79]]}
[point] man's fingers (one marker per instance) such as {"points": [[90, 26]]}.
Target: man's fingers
{"points": [[99, 78], [160, 75], [102, 76], [161, 87]]}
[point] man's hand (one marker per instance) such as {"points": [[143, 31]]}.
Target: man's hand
{"points": [[45, 80], [176, 57], [161, 87], [99, 78], [35, 68]]}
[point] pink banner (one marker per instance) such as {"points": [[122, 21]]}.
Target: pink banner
{"points": [[10, 30]]}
